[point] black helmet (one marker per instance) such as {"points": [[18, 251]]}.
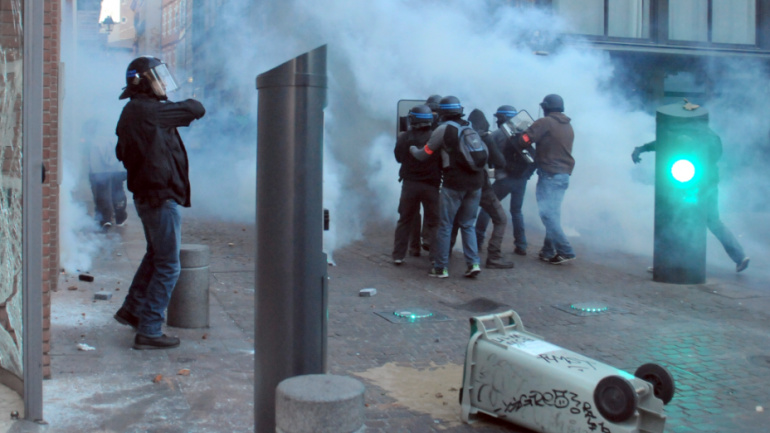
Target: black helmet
{"points": [[433, 102], [552, 103], [149, 75], [450, 107], [504, 113], [420, 116]]}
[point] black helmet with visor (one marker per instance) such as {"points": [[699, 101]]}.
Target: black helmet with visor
{"points": [[149, 75]]}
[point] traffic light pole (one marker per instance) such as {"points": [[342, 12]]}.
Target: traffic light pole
{"points": [[681, 174]]}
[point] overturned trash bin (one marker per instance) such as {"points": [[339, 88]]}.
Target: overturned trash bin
{"points": [[514, 375], [189, 304]]}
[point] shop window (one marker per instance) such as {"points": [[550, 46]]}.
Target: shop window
{"points": [[734, 22], [719, 21], [613, 18]]}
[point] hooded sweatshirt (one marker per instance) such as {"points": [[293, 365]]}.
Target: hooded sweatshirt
{"points": [[553, 135]]}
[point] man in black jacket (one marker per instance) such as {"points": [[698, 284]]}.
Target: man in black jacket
{"points": [[156, 160], [510, 178], [460, 191], [421, 181]]}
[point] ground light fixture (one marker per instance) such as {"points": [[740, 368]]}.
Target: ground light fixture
{"points": [[413, 313], [683, 170]]}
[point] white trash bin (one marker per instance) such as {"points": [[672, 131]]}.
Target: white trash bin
{"points": [[515, 375]]}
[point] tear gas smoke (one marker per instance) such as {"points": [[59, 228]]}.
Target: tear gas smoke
{"points": [[381, 51]]}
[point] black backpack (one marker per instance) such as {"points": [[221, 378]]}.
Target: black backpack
{"points": [[473, 153]]}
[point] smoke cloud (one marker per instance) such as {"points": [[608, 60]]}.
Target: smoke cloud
{"points": [[381, 51]]}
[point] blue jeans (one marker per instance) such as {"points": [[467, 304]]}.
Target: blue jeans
{"points": [[156, 277], [464, 205], [516, 188], [550, 193]]}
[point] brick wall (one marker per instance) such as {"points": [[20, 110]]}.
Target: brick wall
{"points": [[50, 159]]}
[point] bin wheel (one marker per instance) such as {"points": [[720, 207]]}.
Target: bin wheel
{"points": [[615, 398], [661, 380]]}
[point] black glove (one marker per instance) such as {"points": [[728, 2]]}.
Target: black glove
{"points": [[635, 156]]}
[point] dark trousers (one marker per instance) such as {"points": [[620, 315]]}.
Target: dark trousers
{"points": [[109, 197], [718, 228], [491, 205], [419, 231], [414, 194], [516, 188]]}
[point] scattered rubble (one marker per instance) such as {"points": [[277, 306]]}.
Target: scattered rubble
{"points": [[158, 379], [72, 288], [84, 277], [85, 348], [184, 372], [367, 293], [102, 295]]}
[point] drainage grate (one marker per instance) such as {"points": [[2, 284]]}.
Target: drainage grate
{"points": [[588, 309], [412, 315], [480, 305]]}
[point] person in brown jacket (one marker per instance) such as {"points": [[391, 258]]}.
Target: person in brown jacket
{"points": [[553, 136]]}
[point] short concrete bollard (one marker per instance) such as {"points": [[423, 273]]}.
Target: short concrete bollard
{"points": [[319, 403], [189, 305]]}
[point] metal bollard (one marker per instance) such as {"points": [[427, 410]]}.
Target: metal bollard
{"points": [[189, 305], [319, 403]]}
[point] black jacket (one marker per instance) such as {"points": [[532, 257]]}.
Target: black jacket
{"points": [[455, 176], [152, 150], [428, 171]]}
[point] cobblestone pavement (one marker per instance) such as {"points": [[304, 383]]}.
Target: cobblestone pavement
{"points": [[713, 338]]}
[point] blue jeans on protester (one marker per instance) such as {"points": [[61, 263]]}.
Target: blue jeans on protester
{"points": [[156, 277], [516, 188], [464, 205], [550, 193]]}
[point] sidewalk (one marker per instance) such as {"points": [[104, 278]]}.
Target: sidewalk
{"points": [[713, 338]]}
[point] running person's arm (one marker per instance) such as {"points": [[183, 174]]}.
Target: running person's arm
{"points": [[433, 145]]}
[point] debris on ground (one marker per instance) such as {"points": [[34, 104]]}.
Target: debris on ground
{"points": [[184, 372], [85, 348], [84, 277], [205, 336], [231, 244], [367, 293], [73, 288], [439, 395], [102, 295], [158, 379], [760, 409]]}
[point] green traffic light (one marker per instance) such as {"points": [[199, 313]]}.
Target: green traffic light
{"points": [[683, 170]]}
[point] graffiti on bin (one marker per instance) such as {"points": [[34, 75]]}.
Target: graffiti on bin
{"points": [[513, 339], [559, 399], [496, 378], [570, 362]]}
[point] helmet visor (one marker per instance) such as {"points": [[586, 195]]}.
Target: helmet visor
{"points": [[161, 80]]}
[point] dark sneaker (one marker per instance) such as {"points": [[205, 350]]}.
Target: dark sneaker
{"points": [[125, 318], [499, 264], [545, 258], [439, 272], [426, 246], [520, 251], [558, 259], [740, 267], [414, 253], [398, 262], [147, 343], [473, 271]]}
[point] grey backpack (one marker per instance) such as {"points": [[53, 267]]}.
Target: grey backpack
{"points": [[473, 152]]}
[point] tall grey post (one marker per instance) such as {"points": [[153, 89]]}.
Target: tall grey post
{"points": [[291, 290]]}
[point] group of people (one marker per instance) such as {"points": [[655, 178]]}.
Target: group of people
{"points": [[444, 160]]}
